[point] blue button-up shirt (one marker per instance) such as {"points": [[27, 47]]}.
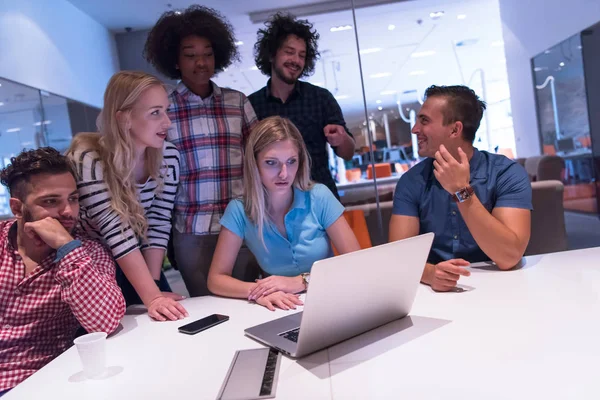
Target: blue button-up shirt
{"points": [[312, 212], [497, 181]]}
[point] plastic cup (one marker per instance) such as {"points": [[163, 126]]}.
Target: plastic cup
{"points": [[91, 349]]}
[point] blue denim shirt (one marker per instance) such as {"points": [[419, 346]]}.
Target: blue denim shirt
{"points": [[497, 181], [312, 212]]}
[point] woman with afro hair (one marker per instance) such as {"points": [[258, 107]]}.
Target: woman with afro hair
{"points": [[209, 127]]}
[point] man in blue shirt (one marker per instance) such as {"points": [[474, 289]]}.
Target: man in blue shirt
{"points": [[478, 204]]}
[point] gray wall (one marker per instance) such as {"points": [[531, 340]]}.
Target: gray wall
{"points": [[54, 46], [130, 47]]}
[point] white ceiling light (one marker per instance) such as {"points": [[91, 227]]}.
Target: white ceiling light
{"points": [[415, 73], [387, 92], [11, 130], [461, 16], [1, 104], [562, 64], [380, 108], [178, 12], [47, 122], [391, 27], [380, 75], [436, 15], [317, 83], [422, 54], [340, 28], [239, 43], [378, 102], [372, 50], [497, 43], [255, 68], [341, 97]]}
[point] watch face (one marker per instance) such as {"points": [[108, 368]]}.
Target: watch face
{"points": [[463, 194]]}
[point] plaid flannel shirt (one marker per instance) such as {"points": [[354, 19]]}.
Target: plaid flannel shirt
{"points": [[310, 108], [210, 135], [41, 312]]}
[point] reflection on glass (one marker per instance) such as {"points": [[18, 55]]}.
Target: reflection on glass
{"points": [[561, 98], [30, 118], [55, 127], [564, 120]]}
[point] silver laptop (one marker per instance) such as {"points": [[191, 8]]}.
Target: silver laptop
{"points": [[349, 295]]}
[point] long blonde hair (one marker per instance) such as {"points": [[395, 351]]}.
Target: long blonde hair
{"points": [[265, 133], [115, 146]]}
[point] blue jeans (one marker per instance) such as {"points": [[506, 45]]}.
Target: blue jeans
{"points": [[2, 393]]}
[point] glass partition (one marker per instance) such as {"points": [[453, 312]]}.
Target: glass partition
{"points": [[564, 120], [404, 48], [32, 118]]}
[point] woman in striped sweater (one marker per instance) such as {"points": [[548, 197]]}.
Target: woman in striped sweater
{"points": [[127, 180]]}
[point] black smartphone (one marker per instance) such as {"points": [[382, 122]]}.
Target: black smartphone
{"points": [[203, 324]]}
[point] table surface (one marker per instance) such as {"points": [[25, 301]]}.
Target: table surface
{"points": [[528, 333]]}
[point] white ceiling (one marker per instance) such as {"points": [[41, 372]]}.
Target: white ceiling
{"points": [[338, 69]]}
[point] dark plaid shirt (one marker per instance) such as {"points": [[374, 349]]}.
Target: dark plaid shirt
{"points": [[310, 108]]}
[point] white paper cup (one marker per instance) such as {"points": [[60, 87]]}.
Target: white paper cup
{"points": [[91, 349]]}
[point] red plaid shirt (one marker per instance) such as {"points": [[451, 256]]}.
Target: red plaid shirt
{"points": [[209, 134], [40, 312]]}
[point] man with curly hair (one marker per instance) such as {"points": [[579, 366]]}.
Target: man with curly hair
{"points": [[53, 279], [210, 125], [286, 50]]}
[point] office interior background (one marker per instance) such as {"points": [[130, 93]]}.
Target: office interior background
{"points": [[535, 63]]}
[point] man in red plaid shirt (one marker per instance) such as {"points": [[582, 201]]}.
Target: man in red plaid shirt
{"points": [[52, 279]]}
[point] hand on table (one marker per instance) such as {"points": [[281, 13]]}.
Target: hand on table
{"points": [[285, 301], [445, 275], [273, 283], [165, 307]]}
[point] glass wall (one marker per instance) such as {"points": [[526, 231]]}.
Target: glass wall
{"points": [[32, 118], [564, 120], [403, 48]]}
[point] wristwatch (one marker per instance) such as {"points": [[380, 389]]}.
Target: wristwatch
{"points": [[305, 279], [463, 194]]}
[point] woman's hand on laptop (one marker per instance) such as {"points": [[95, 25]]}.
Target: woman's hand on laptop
{"points": [[285, 301], [273, 283]]}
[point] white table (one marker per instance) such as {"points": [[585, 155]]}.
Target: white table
{"points": [[531, 333]]}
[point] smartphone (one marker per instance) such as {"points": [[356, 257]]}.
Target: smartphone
{"points": [[202, 324]]}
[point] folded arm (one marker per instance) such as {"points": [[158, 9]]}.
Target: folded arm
{"points": [[88, 286], [502, 235]]}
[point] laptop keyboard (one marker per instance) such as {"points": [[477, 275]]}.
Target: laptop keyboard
{"points": [[291, 335]]}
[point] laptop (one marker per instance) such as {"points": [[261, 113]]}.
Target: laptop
{"points": [[349, 295]]}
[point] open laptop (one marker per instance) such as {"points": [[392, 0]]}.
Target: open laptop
{"points": [[349, 295]]}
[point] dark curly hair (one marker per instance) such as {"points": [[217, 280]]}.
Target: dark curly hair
{"points": [[463, 105], [32, 162], [162, 44], [277, 29]]}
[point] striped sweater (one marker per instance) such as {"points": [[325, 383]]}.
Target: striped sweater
{"points": [[101, 221]]}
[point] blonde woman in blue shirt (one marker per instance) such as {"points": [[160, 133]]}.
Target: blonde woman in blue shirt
{"points": [[286, 220]]}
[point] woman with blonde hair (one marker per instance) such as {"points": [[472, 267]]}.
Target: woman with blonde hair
{"points": [[286, 220], [127, 180]]}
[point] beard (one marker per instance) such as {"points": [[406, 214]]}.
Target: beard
{"points": [[281, 75]]}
